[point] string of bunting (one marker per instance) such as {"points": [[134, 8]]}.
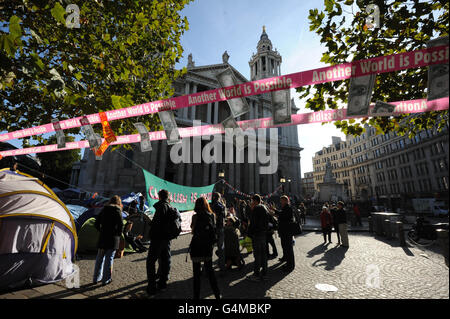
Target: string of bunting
{"points": [[436, 56], [249, 196]]}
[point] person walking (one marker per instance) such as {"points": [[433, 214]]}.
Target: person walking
{"points": [[159, 249], [334, 217], [302, 209], [202, 243], [285, 223], [273, 226], [109, 223], [326, 221], [218, 209], [257, 231], [357, 214], [342, 223]]}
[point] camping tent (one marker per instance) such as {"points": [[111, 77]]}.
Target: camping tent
{"points": [[38, 240], [141, 226]]}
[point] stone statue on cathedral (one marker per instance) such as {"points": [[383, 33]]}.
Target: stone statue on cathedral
{"points": [[191, 63], [225, 57]]}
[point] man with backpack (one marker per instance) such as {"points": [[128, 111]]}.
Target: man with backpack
{"points": [[166, 225], [219, 210]]}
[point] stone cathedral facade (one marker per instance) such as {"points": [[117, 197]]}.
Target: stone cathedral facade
{"points": [[114, 174]]}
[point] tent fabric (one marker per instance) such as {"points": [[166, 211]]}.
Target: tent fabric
{"points": [[76, 211], [38, 239], [89, 213]]}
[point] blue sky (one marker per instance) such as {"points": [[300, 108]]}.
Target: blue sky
{"points": [[236, 25]]}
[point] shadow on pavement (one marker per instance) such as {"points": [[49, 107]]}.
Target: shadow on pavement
{"points": [[331, 258], [320, 249]]}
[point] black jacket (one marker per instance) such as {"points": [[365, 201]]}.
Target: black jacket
{"points": [[219, 211], [341, 216], [160, 220], [259, 221], [110, 225], [285, 219]]}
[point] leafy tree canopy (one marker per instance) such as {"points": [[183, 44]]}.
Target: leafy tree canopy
{"points": [[122, 54], [404, 26], [57, 166]]}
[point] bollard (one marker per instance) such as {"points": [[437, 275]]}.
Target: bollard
{"points": [[393, 226], [387, 228], [378, 227], [401, 234], [442, 235], [369, 219]]}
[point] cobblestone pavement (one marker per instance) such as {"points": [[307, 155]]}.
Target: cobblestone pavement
{"points": [[407, 272]]}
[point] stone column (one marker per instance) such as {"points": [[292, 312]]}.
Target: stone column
{"points": [[154, 156], [208, 113], [216, 112], [163, 159], [257, 180], [193, 107], [186, 109], [206, 168]]}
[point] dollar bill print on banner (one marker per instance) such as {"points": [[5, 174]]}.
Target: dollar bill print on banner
{"points": [[361, 89], [238, 106], [88, 132], [60, 137], [281, 107], [146, 145], [98, 154], [437, 74], [240, 140], [382, 108], [170, 127]]}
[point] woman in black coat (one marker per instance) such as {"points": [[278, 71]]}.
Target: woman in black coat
{"points": [[201, 247], [110, 225]]}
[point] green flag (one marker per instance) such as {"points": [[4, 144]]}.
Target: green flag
{"points": [[181, 197]]}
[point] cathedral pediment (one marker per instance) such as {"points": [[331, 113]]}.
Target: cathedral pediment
{"points": [[210, 71]]}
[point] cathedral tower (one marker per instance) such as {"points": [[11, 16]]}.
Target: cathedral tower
{"points": [[266, 62]]}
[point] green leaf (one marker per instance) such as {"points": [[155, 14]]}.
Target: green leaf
{"points": [[58, 13], [14, 27], [116, 101]]}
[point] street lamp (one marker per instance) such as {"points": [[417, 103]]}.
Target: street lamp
{"points": [[222, 176], [282, 181], [290, 191]]}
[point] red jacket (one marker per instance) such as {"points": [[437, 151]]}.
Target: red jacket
{"points": [[326, 219], [356, 210]]}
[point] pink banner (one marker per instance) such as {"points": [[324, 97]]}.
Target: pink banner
{"points": [[383, 64], [402, 107]]}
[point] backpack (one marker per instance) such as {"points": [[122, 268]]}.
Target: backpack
{"points": [[174, 223], [205, 231]]}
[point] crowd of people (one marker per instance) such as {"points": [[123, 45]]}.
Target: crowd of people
{"points": [[216, 224]]}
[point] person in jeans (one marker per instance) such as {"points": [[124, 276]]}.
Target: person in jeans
{"points": [[334, 217], [257, 231], [159, 249], [109, 224], [326, 221], [201, 247], [218, 209], [342, 223], [302, 209], [285, 221]]}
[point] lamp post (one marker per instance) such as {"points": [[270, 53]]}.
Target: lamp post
{"points": [[290, 190], [282, 181], [222, 176]]}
